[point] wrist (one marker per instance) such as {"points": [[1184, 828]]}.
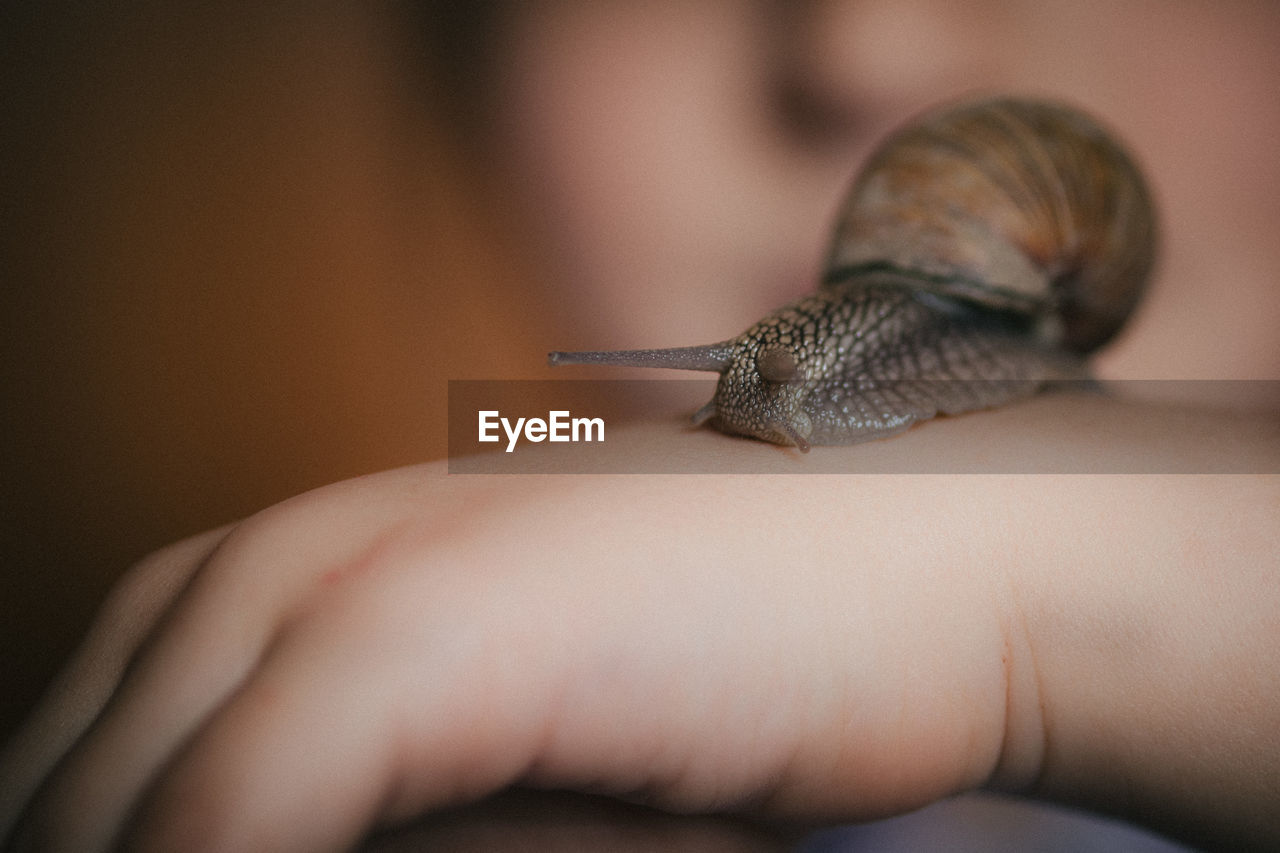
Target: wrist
{"points": [[1155, 656]]}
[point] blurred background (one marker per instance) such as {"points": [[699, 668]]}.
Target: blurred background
{"points": [[245, 245]]}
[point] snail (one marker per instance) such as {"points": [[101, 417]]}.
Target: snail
{"points": [[984, 251]]}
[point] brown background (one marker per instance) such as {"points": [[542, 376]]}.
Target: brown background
{"points": [[231, 238]]}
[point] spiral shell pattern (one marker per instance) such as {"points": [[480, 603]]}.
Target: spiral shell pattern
{"points": [[1017, 205]]}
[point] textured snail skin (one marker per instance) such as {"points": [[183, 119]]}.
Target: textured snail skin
{"points": [[982, 253]]}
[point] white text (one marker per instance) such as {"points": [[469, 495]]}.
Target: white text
{"points": [[558, 426]]}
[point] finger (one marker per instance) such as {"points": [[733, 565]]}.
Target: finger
{"points": [[200, 650], [81, 690], [208, 642], [205, 645], [523, 819], [195, 656], [312, 750]]}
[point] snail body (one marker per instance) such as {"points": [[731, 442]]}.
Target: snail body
{"points": [[984, 251]]}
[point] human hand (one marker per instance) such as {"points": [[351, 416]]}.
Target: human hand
{"points": [[800, 647], [411, 646]]}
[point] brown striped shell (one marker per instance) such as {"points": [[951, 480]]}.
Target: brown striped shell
{"points": [[1022, 205]]}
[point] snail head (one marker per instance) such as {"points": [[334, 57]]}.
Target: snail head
{"points": [[762, 388]]}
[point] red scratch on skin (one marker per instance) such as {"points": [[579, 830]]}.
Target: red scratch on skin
{"points": [[410, 535], [367, 560]]}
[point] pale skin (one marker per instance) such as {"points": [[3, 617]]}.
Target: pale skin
{"points": [[814, 647]]}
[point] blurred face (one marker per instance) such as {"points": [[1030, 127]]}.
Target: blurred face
{"points": [[683, 162]]}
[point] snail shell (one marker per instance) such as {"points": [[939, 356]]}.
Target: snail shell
{"points": [[981, 253]]}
